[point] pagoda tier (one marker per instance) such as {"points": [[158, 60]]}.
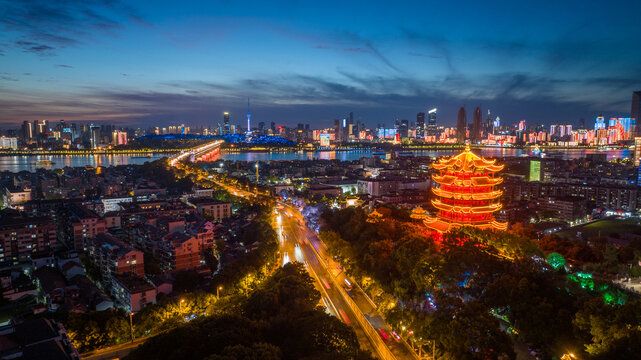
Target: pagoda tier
{"points": [[466, 193]]}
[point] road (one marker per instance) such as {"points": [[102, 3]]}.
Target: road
{"points": [[300, 243], [113, 352]]}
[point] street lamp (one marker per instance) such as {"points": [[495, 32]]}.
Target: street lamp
{"points": [[131, 325], [257, 172], [180, 305], [218, 291]]}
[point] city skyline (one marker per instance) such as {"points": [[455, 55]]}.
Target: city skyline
{"points": [[157, 64]]}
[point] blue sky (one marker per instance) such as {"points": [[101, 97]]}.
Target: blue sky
{"points": [[160, 63]]}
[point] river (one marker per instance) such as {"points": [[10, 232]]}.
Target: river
{"points": [[28, 163]]}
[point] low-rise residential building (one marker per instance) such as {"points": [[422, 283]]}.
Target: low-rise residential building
{"points": [[568, 208], [132, 293], [113, 203], [82, 224], [115, 257], [210, 208], [14, 196], [377, 187], [36, 339], [22, 238], [180, 251]]}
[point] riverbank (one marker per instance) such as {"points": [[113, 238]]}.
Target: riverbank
{"points": [[5, 152]]}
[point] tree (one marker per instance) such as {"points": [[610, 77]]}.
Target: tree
{"points": [[466, 331], [152, 266], [610, 332], [188, 281], [290, 289], [257, 351]]}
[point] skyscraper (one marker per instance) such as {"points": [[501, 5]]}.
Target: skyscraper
{"points": [[94, 136], [477, 126], [249, 126], [461, 125], [489, 128], [27, 132], [226, 126], [599, 123], [431, 123], [635, 112], [403, 129], [420, 125]]}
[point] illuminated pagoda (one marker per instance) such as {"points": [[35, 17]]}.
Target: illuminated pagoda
{"points": [[374, 217], [466, 193]]}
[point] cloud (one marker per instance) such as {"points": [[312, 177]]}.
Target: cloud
{"points": [[63, 66], [294, 98], [53, 25], [31, 47], [433, 42]]}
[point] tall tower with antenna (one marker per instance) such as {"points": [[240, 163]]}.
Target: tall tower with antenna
{"points": [[249, 128]]}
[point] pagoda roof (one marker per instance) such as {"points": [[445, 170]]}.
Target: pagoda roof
{"points": [[418, 210], [468, 162], [467, 209], [466, 195], [443, 227], [475, 181]]}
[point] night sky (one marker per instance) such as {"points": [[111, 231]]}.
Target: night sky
{"points": [[144, 63]]}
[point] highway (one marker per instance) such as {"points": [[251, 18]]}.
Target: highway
{"points": [[299, 243], [353, 306], [293, 248]]}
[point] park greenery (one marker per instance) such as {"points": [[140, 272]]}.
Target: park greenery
{"points": [[476, 293], [280, 319]]}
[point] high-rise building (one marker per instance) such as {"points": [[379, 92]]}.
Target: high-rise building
{"points": [[27, 132], [497, 124], [226, 125], [461, 125], [337, 130], [635, 112], [477, 125], [272, 127], [119, 137], [420, 125], [403, 129], [94, 136], [599, 123], [488, 123], [432, 129]]}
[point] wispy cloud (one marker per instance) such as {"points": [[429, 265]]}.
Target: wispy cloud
{"points": [[42, 26]]}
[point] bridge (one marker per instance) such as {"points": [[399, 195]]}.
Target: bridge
{"points": [[207, 152]]}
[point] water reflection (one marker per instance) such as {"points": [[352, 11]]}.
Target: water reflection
{"points": [[29, 163]]}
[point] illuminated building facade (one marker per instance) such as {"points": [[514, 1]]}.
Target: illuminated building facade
{"points": [[466, 193]]}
